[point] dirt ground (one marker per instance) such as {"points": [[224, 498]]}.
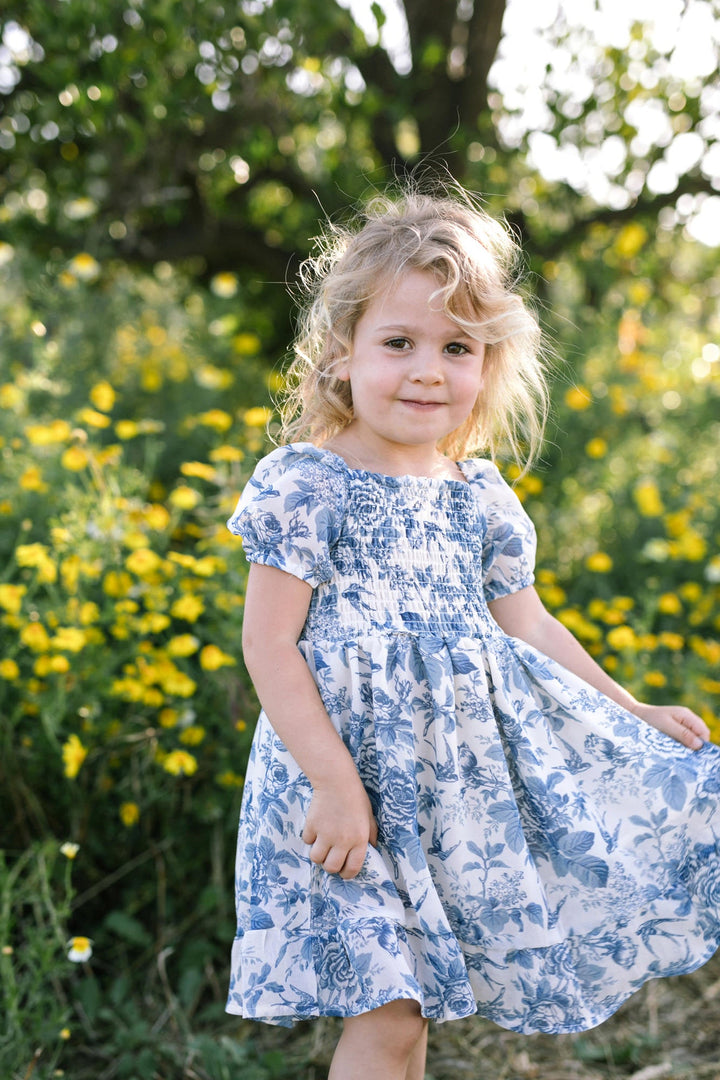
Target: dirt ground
{"points": [[670, 1030]]}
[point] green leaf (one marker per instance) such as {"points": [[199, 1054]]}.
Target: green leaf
{"points": [[127, 928]]}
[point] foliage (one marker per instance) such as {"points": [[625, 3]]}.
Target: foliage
{"points": [[35, 895], [232, 122], [126, 713]]}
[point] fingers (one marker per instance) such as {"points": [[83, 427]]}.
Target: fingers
{"points": [[679, 723], [692, 729], [339, 858]]}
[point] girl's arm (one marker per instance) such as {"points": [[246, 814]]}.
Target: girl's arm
{"points": [[523, 615], [339, 823]]}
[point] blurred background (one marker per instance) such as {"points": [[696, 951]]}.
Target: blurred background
{"points": [[165, 164]]}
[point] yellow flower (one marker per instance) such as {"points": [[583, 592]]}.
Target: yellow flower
{"points": [[128, 689], [9, 669], [226, 453], [117, 583], [691, 546], [84, 266], [622, 637], [655, 678], [212, 658], [31, 554], [213, 378], [182, 559], [129, 814], [80, 949], [230, 779], [193, 735], [60, 536], [134, 537], [169, 718], [11, 396], [73, 755], [187, 607], [579, 625], [65, 1033], [102, 396], [647, 498], [180, 761], [89, 613], [599, 562], [69, 639], [669, 604], [46, 664], [11, 597], [224, 285], [553, 595], [74, 459], [185, 497], [31, 479], [178, 684], [126, 429], [143, 562], [577, 398], [48, 434], [35, 636], [183, 645], [217, 419], [596, 448], [199, 469], [257, 417], [93, 418], [709, 686], [671, 641], [69, 850], [156, 517], [153, 622], [246, 344]]}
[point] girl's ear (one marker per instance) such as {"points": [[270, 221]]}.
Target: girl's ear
{"points": [[341, 370]]}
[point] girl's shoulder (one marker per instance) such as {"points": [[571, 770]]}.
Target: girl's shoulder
{"points": [[301, 458], [483, 473], [497, 496], [294, 474]]}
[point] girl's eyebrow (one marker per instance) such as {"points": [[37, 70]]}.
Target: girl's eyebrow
{"points": [[398, 328]]}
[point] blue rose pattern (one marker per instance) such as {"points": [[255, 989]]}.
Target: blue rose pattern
{"points": [[542, 852]]}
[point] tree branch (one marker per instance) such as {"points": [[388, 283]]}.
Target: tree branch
{"points": [[484, 34]]}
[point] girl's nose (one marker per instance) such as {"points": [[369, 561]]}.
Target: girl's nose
{"points": [[427, 367]]}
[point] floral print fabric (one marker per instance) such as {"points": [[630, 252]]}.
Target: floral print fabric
{"points": [[542, 852]]}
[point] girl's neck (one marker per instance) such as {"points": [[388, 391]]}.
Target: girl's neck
{"points": [[400, 461]]}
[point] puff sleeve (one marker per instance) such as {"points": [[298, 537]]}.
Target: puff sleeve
{"points": [[509, 543], [289, 514]]}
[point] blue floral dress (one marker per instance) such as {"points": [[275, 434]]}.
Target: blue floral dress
{"points": [[542, 851]]}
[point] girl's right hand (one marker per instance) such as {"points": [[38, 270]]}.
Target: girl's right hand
{"points": [[339, 826]]}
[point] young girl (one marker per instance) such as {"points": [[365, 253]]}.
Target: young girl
{"points": [[450, 807]]}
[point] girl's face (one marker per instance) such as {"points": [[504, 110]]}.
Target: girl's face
{"points": [[415, 375]]}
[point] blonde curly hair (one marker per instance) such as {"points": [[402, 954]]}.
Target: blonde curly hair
{"points": [[474, 259]]}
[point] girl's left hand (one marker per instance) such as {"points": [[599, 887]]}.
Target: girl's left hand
{"points": [[681, 724]]}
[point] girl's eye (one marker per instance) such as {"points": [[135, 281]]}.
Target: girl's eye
{"points": [[456, 348], [397, 343]]}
